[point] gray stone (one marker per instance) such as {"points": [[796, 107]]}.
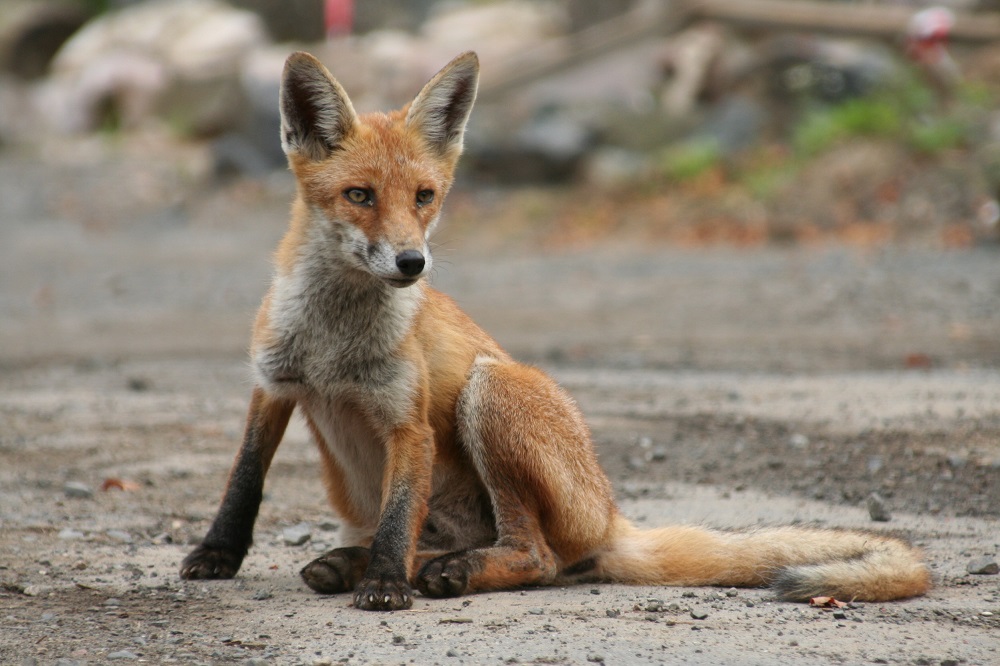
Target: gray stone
{"points": [[983, 566], [877, 508], [36, 590], [120, 535], [123, 655], [798, 441], [78, 490], [297, 534]]}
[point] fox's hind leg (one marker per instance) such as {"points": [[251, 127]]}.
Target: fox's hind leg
{"points": [[339, 570], [532, 451]]}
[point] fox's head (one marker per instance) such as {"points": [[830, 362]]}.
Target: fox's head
{"points": [[375, 182]]}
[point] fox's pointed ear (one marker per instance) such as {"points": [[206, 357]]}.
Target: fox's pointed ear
{"points": [[442, 108], [316, 113]]}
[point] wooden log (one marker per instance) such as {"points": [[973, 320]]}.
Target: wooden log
{"points": [[868, 21], [876, 21]]}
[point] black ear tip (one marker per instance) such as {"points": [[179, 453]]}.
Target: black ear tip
{"points": [[300, 61]]}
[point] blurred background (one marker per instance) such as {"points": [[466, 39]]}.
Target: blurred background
{"points": [[757, 240], [142, 185]]}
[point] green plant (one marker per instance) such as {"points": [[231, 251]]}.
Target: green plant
{"points": [[820, 129], [690, 159], [935, 135]]}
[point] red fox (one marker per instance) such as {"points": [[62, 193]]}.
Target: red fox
{"points": [[454, 468]]}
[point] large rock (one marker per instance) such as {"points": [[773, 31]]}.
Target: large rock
{"points": [[178, 60]]}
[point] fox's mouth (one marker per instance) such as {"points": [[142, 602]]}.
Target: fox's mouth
{"points": [[400, 283]]}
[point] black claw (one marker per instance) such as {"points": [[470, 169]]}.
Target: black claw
{"points": [[383, 594], [206, 563]]}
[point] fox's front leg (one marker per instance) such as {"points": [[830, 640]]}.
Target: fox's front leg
{"points": [[406, 487], [228, 540]]}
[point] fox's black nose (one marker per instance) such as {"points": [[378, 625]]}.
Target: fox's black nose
{"points": [[410, 262]]}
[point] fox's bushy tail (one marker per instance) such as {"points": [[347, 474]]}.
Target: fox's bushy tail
{"points": [[798, 563]]}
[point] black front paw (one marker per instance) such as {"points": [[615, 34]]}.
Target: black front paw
{"points": [[206, 562], [337, 571], [445, 576], [383, 594]]}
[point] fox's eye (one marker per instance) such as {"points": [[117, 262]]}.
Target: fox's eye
{"points": [[424, 197], [359, 196]]}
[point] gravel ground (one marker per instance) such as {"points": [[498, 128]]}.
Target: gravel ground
{"points": [[726, 387]]}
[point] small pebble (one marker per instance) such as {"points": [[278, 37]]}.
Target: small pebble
{"points": [[595, 658], [451, 653], [957, 460], [123, 654], [77, 490], [698, 615], [120, 535], [983, 566], [636, 463], [261, 595], [798, 441], [68, 533], [297, 534], [839, 615], [137, 384], [877, 508]]}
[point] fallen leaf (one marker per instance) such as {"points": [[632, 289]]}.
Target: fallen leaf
{"points": [[826, 602], [918, 361], [119, 484]]}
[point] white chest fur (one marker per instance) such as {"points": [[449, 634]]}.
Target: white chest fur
{"points": [[335, 334], [333, 346]]}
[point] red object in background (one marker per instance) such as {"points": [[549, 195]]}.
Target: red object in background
{"points": [[338, 16], [927, 34]]}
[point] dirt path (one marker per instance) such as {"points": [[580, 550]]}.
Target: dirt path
{"points": [[723, 387]]}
